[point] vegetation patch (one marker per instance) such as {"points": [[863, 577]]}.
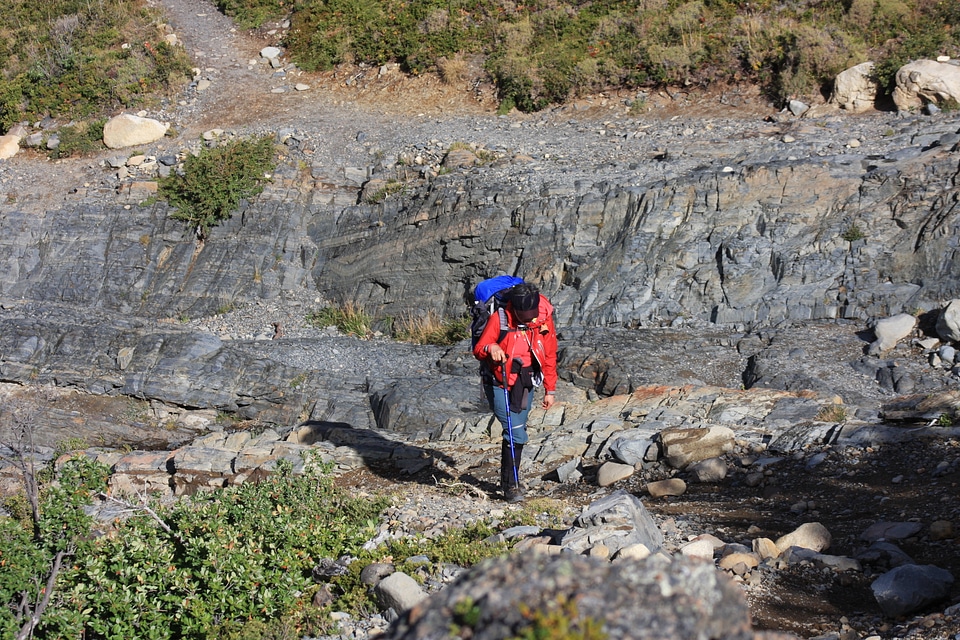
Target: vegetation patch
{"points": [[79, 139], [197, 569], [75, 59], [432, 329], [540, 53], [560, 622], [853, 233], [215, 181], [832, 413], [350, 319], [232, 563]]}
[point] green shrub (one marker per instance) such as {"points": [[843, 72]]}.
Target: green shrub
{"points": [[214, 182], [417, 35], [79, 139], [853, 233], [219, 561], [252, 13], [27, 548], [234, 563]]}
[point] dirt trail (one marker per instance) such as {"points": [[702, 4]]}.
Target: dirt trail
{"points": [[245, 90]]}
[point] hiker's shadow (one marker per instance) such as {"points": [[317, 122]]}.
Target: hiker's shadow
{"points": [[394, 460]]}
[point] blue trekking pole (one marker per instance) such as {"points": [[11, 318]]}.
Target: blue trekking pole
{"points": [[506, 402]]}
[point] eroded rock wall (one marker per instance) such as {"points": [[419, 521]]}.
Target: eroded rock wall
{"points": [[824, 237]]}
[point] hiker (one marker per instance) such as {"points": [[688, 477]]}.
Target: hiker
{"points": [[521, 340]]}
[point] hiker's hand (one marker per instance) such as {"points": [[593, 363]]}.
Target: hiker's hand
{"points": [[548, 400], [496, 353]]}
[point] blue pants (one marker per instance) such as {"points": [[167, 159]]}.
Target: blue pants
{"points": [[518, 420]]}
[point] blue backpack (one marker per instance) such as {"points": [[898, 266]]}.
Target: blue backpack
{"points": [[488, 297]]}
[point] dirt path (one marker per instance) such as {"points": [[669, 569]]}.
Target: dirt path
{"points": [[246, 91]]}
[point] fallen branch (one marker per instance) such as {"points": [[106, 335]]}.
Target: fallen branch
{"points": [[141, 507], [470, 489], [34, 618]]}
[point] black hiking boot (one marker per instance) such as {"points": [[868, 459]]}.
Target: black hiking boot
{"points": [[510, 472]]}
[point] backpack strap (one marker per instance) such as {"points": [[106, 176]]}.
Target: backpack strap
{"points": [[504, 324]]}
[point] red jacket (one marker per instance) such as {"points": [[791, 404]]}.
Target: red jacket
{"points": [[540, 335]]}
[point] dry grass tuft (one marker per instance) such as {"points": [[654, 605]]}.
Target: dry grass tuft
{"points": [[453, 71]]}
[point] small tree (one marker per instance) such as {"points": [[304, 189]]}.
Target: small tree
{"points": [[212, 183]]}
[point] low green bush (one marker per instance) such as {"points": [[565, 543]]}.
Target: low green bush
{"points": [[234, 563], [252, 13], [28, 548], [853, 233], [219, 561], [215, 181], [79, 139]]}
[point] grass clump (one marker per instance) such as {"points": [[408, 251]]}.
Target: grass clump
{"points": [[464, 547], [214, 182], [433, 329], [832, 413], [540, 53], [350, 319], [391, 187]]}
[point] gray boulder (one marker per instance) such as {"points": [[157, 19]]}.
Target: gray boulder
{"points": [[618, 520], [399, 592], [710, 470], [683, 446], [651, 599], [890, 331], [854, 89], [911, 587], [926, 81], [809, 535], [948, 322]]}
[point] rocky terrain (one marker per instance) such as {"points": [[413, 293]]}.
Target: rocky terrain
{"points": [[701, 253]]}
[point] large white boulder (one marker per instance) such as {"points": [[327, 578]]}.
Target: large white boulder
{"points": [[923, 81], [810, 535], [890, 331], [948, 323], [685, 445], [128, 130], [9, 145], [854, 89]]}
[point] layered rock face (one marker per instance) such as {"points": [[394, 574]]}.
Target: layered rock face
{"points": [[755, 243]]}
